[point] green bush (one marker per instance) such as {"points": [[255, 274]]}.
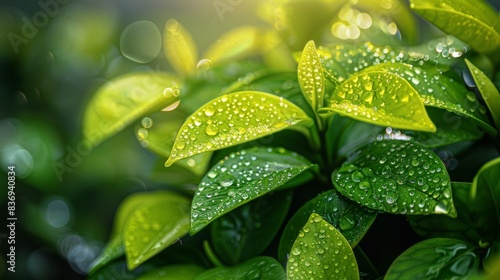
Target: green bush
{"points": [[324, 148]]}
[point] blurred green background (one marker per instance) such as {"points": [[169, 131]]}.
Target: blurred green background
{"points": [[53, 55]]}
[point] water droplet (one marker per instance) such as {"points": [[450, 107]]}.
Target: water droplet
{"points": [[142, 133], [211, 130], [471, 96], [204, 64], [296, 250], [347, 222], [212, 174], [147, 122], [357, 176], [227, 183], [209, 111], [391, 197]]}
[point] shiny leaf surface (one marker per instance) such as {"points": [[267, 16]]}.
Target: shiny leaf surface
{"points": [[232, 119], [149, 230], [310, 75], [179, 48], [380, 98], [321, 251], [397, 177], [472, 21], [350, 218], [125, 99], [437, 258], [173, 272], [240, 178]]}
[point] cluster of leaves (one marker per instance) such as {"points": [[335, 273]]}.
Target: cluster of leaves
{"points": [[367, 121]]}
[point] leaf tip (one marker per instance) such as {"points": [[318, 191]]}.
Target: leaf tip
{"points": [[169, 161]]}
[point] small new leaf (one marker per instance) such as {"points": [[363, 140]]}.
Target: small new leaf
{"points": [[123, 100], [149, 230], [240, 178], [180, 48], [397, 177], [321, 252], [262, 268], [310, 76], [233, 119]]}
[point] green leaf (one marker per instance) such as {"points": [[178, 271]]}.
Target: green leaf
{"points": [[157, 133], [488, 90], [437, 258], [246, 231], [262, 268], [472, 21], [463, 227], [350, 218], [232, 119], [321, 251], [397, 177], [180, 48], [380, 98], [310, 75], [125, 99], [240, 178], [173, 272], [485, 196], [149, 230], [117, 270], [437, 90], [240, 41], [115, 248]]}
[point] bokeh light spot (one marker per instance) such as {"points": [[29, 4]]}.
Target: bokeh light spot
{"points": [[140, 41]]}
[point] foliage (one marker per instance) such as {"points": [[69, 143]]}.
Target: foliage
{"points": [[297, 164]]}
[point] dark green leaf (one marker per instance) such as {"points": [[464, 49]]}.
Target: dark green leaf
{"points": [[246, 231], [232, 119], [462, 227], [472, 21], [125, 99], [350, 218], [117, 270], [397, 177], [149, 230], [380, 98], [437, 258], [240, 178], [437, 90], [173, 272], [485, 197], [310, 76], [321, 251], [488, 90], [262, 268]]}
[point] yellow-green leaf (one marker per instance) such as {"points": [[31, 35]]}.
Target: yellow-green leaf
{"points": [[380, 98], [472, 21], [232, 119], [239, 42], [125, 99], [310, 74], [180, 48]]}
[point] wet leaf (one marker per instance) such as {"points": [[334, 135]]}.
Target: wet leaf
{"points": [[350, 218], [115, 247], [232, 119], [157, 133], [239, 42], [310, 75], [262, 268], [437, 258], [485, 196], [173, 272], [321, 251], [240, 178], [463, 227], [125, 99], [488, 90], [149, 230], [246, 231], [180, 48], [343, 60], [437, 90], [397, 177], [380, 98], [117, 270], [472, 21]]}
